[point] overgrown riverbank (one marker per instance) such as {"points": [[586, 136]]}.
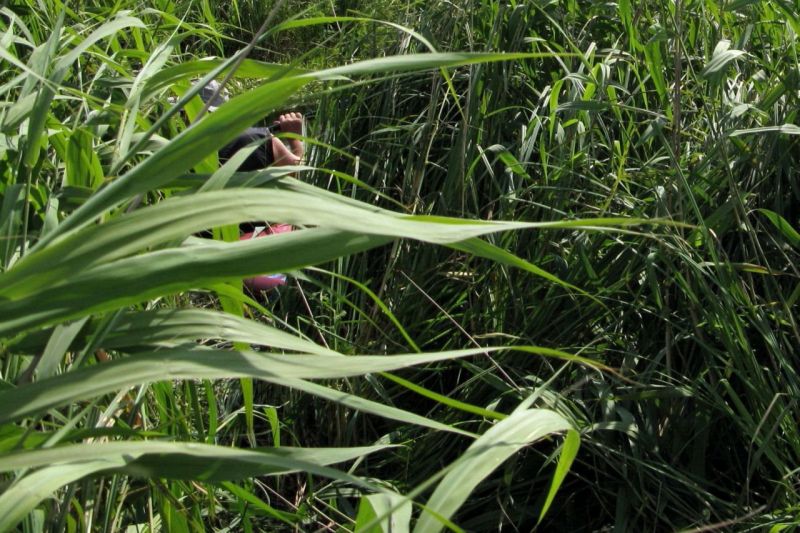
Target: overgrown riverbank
{"points": [[651, 149]]}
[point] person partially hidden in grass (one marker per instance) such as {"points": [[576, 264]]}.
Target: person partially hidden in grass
{"points": [[272, 152]]}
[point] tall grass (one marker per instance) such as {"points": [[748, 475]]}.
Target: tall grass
{"points": [[671, 347], [701, 318]]}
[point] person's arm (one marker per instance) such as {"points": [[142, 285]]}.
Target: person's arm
{"points": [[274, 152]]}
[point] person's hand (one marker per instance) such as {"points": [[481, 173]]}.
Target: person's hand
{"points": [[291, 123]]}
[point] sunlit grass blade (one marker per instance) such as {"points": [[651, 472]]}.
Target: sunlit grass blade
{"points": [[177, 326], [66, 464], [189, 363], [367, 406], [133, 280], [501, 441], [26, 493]]}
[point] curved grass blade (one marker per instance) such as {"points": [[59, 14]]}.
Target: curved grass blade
{"points": [[170, 327], [25, 494], [569, 450], [146, 276], [500, 442], [367, 406], [181, 216], [382, 513], [187, 460], [193, 363], [171, 460], [247, 69], [782, 225], [720, 58], [196, 363], [490, 251]]}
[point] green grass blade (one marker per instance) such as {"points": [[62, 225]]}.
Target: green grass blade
{"points": [[26, 493], [146, 276], [183, 363], [173, 460], [193, 363], [170, 327], [186, 71], [490, 251], [186, 460], [383, 513], [569, 450], [57, 347], [783, 226], [367, 406], [500, 442]]}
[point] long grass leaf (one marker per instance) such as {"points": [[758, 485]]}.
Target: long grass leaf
{"points": [[193, 363], [65, 464], [569, 450], [488, 452]]}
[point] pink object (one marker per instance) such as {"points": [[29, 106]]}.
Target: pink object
{"points": [[267, 281]]}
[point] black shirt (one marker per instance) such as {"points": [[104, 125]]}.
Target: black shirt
{"points": [[261, 158]]}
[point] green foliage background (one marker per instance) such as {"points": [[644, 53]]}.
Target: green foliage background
{"points": [[609, 188]]}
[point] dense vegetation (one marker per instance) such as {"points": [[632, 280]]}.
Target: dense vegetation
{"points": [[546, 272]]}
